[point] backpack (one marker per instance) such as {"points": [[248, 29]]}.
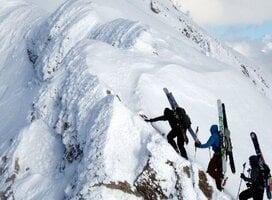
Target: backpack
{"points": [[185, 119], [266, 171]]}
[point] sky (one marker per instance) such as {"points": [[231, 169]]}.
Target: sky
{"points": [[229, 12], [245, 25]]}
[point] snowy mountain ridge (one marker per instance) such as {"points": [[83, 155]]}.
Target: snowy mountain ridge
{"points": [[85, 73], [169, 13]]}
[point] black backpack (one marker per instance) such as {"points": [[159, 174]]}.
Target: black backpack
{"points": [[185, 119], [266, 171]]}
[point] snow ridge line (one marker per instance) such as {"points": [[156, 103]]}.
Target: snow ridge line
{"points": [[53, 38], [119, 33]]}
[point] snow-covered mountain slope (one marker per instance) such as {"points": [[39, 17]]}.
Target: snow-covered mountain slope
{"points": [[258, 50], [72, 85], [16, 73]]}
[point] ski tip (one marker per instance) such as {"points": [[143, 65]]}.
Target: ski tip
{"points": [[165, 90], [252, 134]]}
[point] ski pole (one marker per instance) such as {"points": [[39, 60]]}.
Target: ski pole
{"points": [[244, 166], [196, 132]]}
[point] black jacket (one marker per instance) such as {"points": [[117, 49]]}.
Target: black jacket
{"points": [[255, 178], [182, 120], [173, 122]]}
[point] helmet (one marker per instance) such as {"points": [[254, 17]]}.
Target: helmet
{"points": [[253, 160]]}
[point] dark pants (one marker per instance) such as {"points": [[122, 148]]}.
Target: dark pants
{"points": [[180, 140], [215, 170], [256, 194]]}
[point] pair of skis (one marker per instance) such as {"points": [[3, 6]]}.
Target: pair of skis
{"points": [[225, 140], [267, 183]]}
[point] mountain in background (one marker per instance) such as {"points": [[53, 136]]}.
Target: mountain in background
{"points": [[258, 50], [72, 85]]}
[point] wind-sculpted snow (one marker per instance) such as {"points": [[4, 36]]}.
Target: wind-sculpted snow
{"points": [[61, 103], [53, 39], [15, 70], [121, 33], [99, 144]]}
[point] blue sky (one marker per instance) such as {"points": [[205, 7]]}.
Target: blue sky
{"points": [[235, 18], [250, 31], [244, 25]]}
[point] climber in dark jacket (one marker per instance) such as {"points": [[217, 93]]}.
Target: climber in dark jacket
{"points": [[178, 128], [215, 164], [255, 181]]}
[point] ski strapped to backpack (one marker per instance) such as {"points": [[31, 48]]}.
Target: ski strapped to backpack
{"points": [[225, 141], [263, 167], [228, 140], [174, 105]]}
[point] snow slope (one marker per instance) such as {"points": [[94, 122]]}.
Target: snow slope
{"points": [[71, 127]]}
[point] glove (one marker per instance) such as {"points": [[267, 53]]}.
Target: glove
{"points": [[197, 144], [242, 176], [149, 120], [248, 185]]}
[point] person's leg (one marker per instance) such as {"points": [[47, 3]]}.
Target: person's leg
{"points": [[212, 166], [215, 170], [170, 138], [182, 150]]}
